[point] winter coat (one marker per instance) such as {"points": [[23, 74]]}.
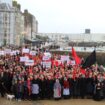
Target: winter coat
{"points": [[57, 90]]}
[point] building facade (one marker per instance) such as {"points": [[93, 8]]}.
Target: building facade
{"points": [[5, 18], [15, 26], [7, 2], [83, 37], [11, 25], [30, 24]]}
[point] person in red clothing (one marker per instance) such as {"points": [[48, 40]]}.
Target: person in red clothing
{"points": [[66, 91]]}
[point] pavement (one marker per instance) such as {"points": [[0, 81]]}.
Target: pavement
{"points": [[4, 101]]}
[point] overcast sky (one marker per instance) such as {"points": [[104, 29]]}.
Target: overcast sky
{"points": [[67, 16]]}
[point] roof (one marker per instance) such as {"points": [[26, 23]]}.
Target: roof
{"points": [[5, 6]]}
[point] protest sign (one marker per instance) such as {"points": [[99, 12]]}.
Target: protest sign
{"points": [[32, 52], [72, 62], [29, 63], [48, 54], [46, 64], [64, 58], [2, 53], [24, 59], [24, 50], [7, 51]]}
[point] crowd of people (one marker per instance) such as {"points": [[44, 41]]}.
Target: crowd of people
{"points": [[60, 81]]}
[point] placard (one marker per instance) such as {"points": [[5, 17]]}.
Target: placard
{"points": [[2, 53], [64, 58], [46, 64], [32, 52], [24, 50], [47, 54], [24, 59], [29, 63], [7, 51], [13, 52], [46, 58], [72, 62]]}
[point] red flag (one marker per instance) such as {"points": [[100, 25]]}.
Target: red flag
{"points": [[75, 56]]}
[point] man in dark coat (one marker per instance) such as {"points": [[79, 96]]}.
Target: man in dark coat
{"points": [[98, 91], [71, 86], [2, 89], [82, 86], [7, 78], [89, 87], [49, 87], [76, 87], [43, 90]]}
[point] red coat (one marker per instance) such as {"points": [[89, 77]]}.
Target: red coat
{"points": [[66, 84]]}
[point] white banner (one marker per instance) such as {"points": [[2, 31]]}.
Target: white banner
{"points": [[46, 58], [2, 53], [32, 52], [46, 64], [24, 59], [24, 50], [72, 62], [29, 63], [48, 54], [13, 52], [64, 58], [7, 51]]}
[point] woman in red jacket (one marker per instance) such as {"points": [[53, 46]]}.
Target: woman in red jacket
{"points": [[66, 90]]}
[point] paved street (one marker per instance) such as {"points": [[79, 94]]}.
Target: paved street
{"points": [[53, 102]]}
